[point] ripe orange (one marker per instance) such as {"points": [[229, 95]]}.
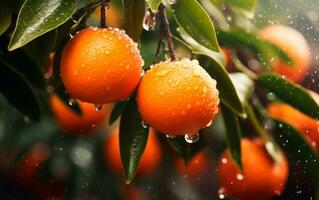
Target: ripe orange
{"points": [[70, 122], [303, 123], [296, 47], [149, 160], [178, 97], [261, 178], [101, 65], [197, 166]]}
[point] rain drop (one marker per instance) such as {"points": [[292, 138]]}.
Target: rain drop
{"points": [[98, 107], [191, 138], [72, 102], [149, 21]]}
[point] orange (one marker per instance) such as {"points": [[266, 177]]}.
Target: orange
{"points": [[197, 166], [131, 192], [101, 65], [178, 97], [303, 123], [228, 60], [114, 16], [261, 178], [294, 45], [71, 122], [149, 161]]}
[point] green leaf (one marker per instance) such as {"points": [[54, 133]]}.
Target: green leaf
{"points": [[291, 93], [134, 15], [244, 4], [190, 16], [39, 49], [297, 149], [39, 17], [187, 150], [244, 86], [5, 19], [233, 134], [133, 138], [153, 4], [58, 84], [227, 92], [117, 111], [18, 91]]}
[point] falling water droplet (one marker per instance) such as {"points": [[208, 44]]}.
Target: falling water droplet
{"points": [[98, 107], [191, 138], [144, 124], [149, 21], [72, 102]]}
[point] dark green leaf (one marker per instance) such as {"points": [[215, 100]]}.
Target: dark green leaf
{"points": [[244, 4], [18, 91], [227, 92], [39, 49], [117, 111], [5, 19], [133, 138], [297, 149], [58, 84], [233, 133], [134, 15], [39, 17], [153, 4], [184, 149], [190, 16], [21, 62], [291, 93], [244, 86]]}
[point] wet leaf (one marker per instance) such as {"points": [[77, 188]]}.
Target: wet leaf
{"points": [[134, 15], [233, 134], [117, 111], [191, 17], [153, 4], [5, 19], [244, 86], [291, 93], [18, 91], [39, 17], [133, 138]]}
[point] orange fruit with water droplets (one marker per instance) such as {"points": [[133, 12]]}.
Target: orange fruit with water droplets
{"points": [[261, 177], [73, 123], [294, 45], [101, 65], [197, 166], [307, 125], [149, 161], [178, 97]]}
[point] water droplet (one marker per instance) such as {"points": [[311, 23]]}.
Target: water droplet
{"points": [[239, 177], [149, 21], [191, 138], [142, 73], [98, 107], [26, 119], [170, 136], [209, 123], [221, 193], [72, 102], [144, 124], [224, 160]]}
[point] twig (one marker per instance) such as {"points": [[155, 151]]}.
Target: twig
{"points": [[164, 26], [104, 3]]}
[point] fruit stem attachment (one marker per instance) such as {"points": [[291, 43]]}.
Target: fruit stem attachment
{"points": [[104, 3], [164, 27]]}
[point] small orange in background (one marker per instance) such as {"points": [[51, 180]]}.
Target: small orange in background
{"points": [[114, 16], [73, 123], [294, 45], [101, 65], [228, 59], [150, 159], [303, 123], [178, 98], [261, 178], [196, 167]]}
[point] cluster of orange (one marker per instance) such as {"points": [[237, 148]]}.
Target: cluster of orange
{"points": [[100, 66]]}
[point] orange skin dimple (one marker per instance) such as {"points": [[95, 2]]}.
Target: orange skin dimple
{"points": [[294, 45], [72, 123], [101, 66], [261, 178], [149, 161], [195, 168], [303, 123], [177, 98]]}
